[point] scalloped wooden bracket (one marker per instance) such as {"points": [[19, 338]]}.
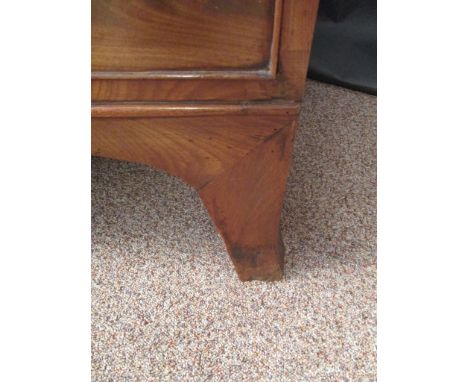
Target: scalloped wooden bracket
{"points": [[238, 164]]}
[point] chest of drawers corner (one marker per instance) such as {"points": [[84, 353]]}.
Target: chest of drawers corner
{"points": [[209, 91]]}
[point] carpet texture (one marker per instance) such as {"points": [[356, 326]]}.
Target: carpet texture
{"points": [[167, 304]]}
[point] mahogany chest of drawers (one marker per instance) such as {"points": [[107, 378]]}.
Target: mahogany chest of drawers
{"points": [[209, 91]]}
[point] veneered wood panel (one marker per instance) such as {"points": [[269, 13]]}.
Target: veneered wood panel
{"points": [[245, 204], [182, 90], [297, 22], [237, 163], [182, 35], [195, 149]]}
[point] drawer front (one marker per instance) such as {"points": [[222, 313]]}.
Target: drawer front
{"points": [[200, 50], [150, 38]]}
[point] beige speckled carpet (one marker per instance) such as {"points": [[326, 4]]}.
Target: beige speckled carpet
{"points": [[167, 305]]}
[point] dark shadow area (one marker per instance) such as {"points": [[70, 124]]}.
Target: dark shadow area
{"points": [[344, 50]]}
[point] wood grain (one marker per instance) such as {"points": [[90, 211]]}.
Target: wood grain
{"points": [[207, 90], [165, 109], [183, 90], [245, 203], [238, 164], [142, 35], [196, 149], [295, 22], [298, 24]]}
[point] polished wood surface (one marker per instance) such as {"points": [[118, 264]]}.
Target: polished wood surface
{"points": [[183, 90], [170, 109], [245, 204], [284, 79], [237, 163], [193, 148], [209, 91], [190, 35]]}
